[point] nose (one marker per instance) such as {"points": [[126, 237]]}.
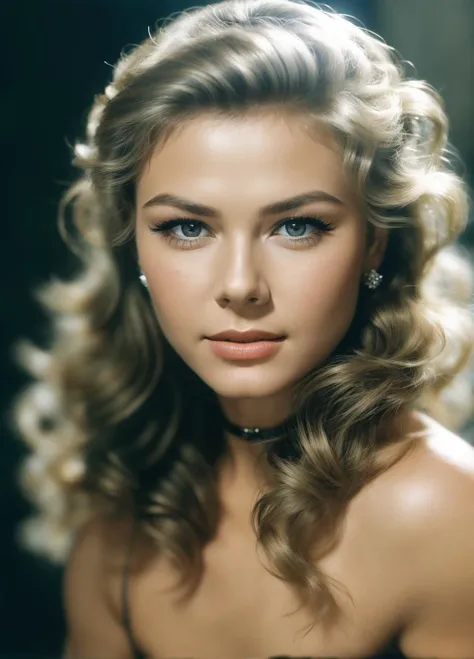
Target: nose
{"points": [[241, 281]]}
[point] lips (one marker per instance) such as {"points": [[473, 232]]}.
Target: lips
{"points": [[237, 351]]}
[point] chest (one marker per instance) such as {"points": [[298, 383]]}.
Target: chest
{"points": [[241, 610]]}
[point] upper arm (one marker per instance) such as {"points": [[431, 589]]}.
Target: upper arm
{"points": [[442, 567], [94, 630]]}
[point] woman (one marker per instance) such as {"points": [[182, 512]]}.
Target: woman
{"points": [[246, 403]]}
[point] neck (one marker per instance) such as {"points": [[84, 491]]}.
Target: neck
{"points": [[242, 477], [244, 461], [265, 412]]}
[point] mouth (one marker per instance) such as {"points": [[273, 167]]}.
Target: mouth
{"points": [[239, 350], [245, 336], [248, 341]]}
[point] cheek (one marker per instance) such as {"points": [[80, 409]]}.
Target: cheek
{"points": [[326, 291], [175, 295]]}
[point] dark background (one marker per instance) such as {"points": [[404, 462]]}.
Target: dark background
{"points": [[53, 62]]}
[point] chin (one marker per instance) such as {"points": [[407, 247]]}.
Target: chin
{"points": [[247, 385]]}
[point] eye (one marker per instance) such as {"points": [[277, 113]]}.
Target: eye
{"points": [[191, 231], [297, 228]]}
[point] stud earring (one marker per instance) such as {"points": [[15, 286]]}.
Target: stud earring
{"points": [[372, 279], [143, 280]]}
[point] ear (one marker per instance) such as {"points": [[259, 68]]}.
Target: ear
{"points": [[377, 245]]}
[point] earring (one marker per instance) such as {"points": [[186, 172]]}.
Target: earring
{"points": [[143, 280], [372, 279]]}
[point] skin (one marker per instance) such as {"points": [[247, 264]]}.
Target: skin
{"points": [[405, 551]]}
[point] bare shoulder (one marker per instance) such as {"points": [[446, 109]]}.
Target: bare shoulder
{"points": [[433, 479], [429, 501], [92, 590], [426, 496], [436, 481]]}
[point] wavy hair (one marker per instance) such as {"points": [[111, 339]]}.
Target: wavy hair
{"points": [[104, 416]]}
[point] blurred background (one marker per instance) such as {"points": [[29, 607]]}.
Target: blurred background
{"points": [[55, 55]]}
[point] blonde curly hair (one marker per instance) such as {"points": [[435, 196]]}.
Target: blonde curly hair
{"points": [[104, 417]]}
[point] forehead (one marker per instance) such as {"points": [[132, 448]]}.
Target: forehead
{"points": [[264, 151]]}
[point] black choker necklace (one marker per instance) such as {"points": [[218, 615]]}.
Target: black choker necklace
{"points": [[260, 434]]}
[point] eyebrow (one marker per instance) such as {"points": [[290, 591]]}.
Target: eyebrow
{"points": [[283, 206]]}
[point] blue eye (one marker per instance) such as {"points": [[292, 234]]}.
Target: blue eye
{"points": [[298, 225], [191, 230]]}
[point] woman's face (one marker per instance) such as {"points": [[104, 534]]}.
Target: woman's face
{"points": [[240, 265]]}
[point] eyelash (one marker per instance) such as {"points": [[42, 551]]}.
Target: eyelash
{"points": [[165, 227]]}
